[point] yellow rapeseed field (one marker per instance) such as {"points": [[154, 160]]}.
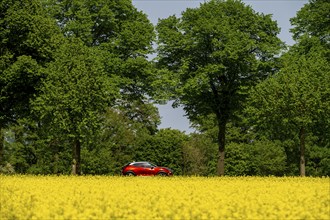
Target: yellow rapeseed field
{"points": [[109, 197]]}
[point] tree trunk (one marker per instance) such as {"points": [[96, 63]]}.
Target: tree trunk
{"points": [[302, 152], [221, 143], [76, 158]]}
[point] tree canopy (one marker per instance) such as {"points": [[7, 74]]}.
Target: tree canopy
{"points": [[312, 20], [214, 53], [28, 39], [293, 100], [75, 93], [72, 60], [292, 103]]}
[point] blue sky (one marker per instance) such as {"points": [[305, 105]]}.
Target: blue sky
{"points": [[281, 10]]}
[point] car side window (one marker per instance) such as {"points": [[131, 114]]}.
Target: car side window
{"points": [[138, 164], [148, 165]]}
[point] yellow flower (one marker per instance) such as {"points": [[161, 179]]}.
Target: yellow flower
{"points": [[109, 197]]}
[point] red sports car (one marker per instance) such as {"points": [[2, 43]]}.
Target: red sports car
{"points": [[144, 168]]}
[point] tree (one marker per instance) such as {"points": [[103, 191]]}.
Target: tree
{"points": [[74, 94], [113, 26], [305, 62], [214, 53], [31, 33], [28, 38], [295, 99], [313, 20]]}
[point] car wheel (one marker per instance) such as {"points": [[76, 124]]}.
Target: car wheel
{"points": [[161, 174], [129, 174]]}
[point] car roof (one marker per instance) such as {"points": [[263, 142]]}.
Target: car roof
{"points": [[139, 162], [135, 162]]}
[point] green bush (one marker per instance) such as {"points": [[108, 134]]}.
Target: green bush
{"points": [[261, 158]]}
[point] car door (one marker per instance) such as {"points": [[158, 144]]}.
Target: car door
{"points": [[139, 168], [149, 169]]}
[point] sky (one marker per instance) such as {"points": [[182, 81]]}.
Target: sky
{"points": [[281, 10]]}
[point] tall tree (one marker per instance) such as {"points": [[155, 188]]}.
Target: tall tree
{"points": [[114, 26], [75, 93], [214, 53], [295, 99], [124, 35], [312, 33], [28, 38]]}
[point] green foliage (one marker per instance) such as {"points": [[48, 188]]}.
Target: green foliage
{"points": [[97, 161], [262, 158], [293, 106], [199, 155], [19, 82], [163, 149], [268, 158], [72, 60], [238, 161], [116, 27], [117, 141], [294, 101], [29, 150], [75, 91], [74, 94], [296, 96], [215, 52], [312, 20], [318, 163], [141, 113], [28, 39], [27, 30]]}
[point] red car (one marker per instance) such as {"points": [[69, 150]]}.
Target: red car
{"points": [[144, 168]]}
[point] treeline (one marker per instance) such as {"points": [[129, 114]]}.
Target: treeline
{"points": [[77, 90]]}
